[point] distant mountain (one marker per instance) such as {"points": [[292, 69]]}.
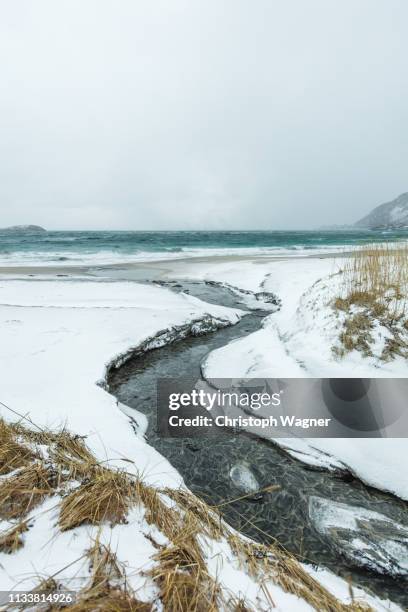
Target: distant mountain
{"points": [[23, 229], [391, 215]]}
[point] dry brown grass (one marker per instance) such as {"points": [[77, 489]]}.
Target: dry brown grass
{"points": [[180, 572], [68, 452], [157, 512], [237, 604], [376, 271], [275, 564], [208, 519], [12, 540], [18, 447], [183, 581], [105, 496], [355, 335], [106, 590], [182, 577], [113, 600], [13, 455], [25, 490], [374, 286], [71, 454]]}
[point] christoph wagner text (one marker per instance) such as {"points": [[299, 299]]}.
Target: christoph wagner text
{"points": [[247, 421]]}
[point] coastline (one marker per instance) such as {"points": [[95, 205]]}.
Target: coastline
{"points": [[151, 270]]}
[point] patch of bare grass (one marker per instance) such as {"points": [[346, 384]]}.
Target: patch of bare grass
{"points": [[237, 604], [67, 451], [157, 512], [377, 270], [355, 335], [183, 581], [25, 490], [180, 572], [12, 539], [209, 519], [106, 590], [374, 290], [71, 454], [273, 563], [105, 496], [13, 454]]}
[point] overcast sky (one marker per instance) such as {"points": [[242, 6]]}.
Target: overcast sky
{"points": [[201, 114]]}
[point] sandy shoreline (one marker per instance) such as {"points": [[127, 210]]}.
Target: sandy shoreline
{"points": [[155, 269]]}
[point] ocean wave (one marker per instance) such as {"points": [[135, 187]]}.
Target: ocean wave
{"points": [[111, 257]]}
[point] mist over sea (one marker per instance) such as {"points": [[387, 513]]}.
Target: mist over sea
{"points": [[105, 247]]}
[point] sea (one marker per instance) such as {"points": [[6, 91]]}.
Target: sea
{"points": [[112, 247]]}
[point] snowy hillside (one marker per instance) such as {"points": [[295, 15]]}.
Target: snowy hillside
{"points": [[392, 214]]}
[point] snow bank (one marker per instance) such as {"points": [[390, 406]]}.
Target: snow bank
{"points": [[297, 342], [56, 339]]}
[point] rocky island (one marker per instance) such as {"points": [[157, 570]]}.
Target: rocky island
{"points": [[23, 229]]}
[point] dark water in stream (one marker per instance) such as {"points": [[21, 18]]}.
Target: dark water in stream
{"points": [[205, 463]]}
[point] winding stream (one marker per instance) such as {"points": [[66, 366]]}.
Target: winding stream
{"points": [[206, 463]]}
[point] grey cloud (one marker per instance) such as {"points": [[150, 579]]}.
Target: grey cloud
{"points": [[201, 114]]}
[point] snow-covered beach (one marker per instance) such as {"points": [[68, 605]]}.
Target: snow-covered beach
{"points": [[62, 328]]}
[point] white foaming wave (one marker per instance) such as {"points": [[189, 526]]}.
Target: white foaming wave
{"points": [[103, 257]]}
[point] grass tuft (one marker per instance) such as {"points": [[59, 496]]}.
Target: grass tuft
{"points": [[13, 455], [22, 492], [237, 604], [71, 454], [184, 584], [373, 291], [105, 496], [210, 522], [376, 270], [12, 539], [273, 563], [106, 590]]}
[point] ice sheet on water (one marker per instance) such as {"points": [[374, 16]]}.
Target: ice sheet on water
{"points": [[367, 538]]}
